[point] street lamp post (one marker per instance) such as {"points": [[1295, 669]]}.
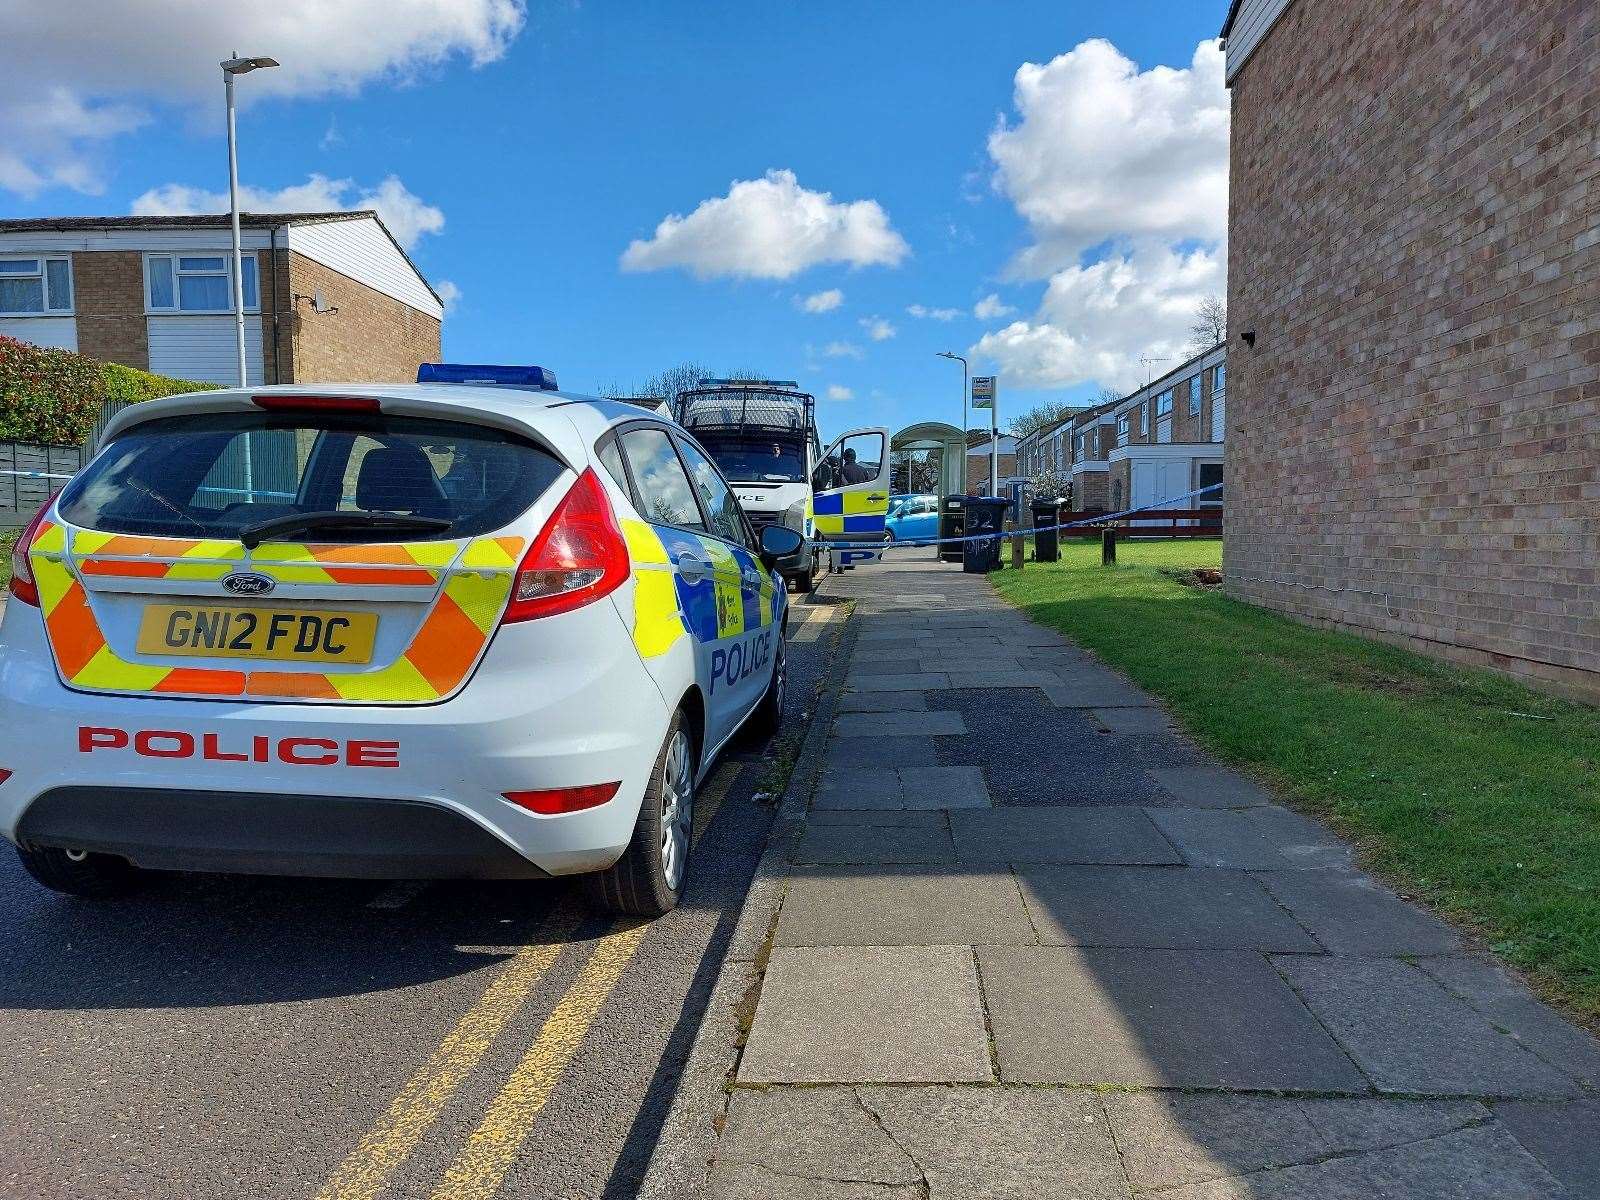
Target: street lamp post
{"points": [[230, 68], [963, 362]]}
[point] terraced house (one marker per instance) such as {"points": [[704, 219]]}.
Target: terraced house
{"points": [[1167, 437], [1414, 306], [327, 296]]}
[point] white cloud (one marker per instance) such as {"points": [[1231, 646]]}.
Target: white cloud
{"points": [[1101, 151], [841, 350], [991, 307], [835, 392], [769, 228], [932, 314], [405, 214], [449, 295], [121, 59], [820, 302], [1096, 321], [1131, 246], [877, 328]]}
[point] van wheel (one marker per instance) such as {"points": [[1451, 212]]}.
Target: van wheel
{"points": [[767, 716], [804, 582], [79, 872], [647, 881]]}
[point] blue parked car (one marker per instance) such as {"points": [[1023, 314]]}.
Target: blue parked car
{"points": [[912, 517]]}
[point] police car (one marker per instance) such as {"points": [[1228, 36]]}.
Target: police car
{"points": [[472, 627]]}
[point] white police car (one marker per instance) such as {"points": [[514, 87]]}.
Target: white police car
{"points": [[472, 627]]}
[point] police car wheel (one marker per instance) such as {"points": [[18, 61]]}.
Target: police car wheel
{"points": [[79, 872], [768, 715], [647, 881]]}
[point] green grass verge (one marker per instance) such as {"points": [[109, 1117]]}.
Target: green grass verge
{"points": [[1461, 787], [8, 539]]}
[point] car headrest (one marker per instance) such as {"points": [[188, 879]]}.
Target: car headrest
{"points": [[400, 479]]}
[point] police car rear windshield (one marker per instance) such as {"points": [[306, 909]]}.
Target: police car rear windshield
{"points": [[216, 474], [755, 460]]}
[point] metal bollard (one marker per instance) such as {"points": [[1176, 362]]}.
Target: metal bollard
{"points": [[1108, 547]]}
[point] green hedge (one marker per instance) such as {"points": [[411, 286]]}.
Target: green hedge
{"points": [[54, 397], [48, 397], [129, 385]]}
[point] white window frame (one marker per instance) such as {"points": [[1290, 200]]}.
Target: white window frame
{"points": [[227, 273], [1219, 379], [1124, 423], [1144, 420], [1164, 404], [43, 276]]}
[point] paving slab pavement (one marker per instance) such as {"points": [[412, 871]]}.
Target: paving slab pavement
{"points": [[1027, 939], [877, 1014]]}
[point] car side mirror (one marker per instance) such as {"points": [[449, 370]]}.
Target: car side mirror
{"points": [[779, 542]]}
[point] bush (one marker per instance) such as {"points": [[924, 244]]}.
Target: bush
{"points": [[48, 397], [129, 385], [54, 397]]}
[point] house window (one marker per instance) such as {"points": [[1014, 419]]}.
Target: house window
{"points": [[1083, 441], [35, 285], [1219, 379], [1210, 473], [1122, 430], [1144, 420], [1164, 404], [1194, 396], [197, 283]]}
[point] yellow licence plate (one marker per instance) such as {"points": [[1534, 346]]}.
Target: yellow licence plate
{"points": [[311, 635]]}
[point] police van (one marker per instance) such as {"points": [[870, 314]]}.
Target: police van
{"points": [[473, 627]]}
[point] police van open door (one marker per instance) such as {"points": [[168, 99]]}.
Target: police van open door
{"points": [[850, 491]]}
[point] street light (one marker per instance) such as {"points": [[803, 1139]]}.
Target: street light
{"points": [[963, 362], [230, 68]]}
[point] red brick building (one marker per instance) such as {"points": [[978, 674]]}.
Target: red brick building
{"points": [[328, 296], [1414, 315]]}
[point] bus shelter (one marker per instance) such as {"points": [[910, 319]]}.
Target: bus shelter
{"points": [[928, 458]]}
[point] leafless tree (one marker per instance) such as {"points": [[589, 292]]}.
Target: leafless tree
{"points": [[1040, 417], [1210, 324]]}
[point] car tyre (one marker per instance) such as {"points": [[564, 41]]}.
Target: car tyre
{"points": [[79, 873], [767, 716], [805, 581], [648, 880]]}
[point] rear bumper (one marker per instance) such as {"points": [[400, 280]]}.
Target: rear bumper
{"points": [[353, 837]]}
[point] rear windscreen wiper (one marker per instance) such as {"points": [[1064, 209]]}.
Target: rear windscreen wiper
{"points": [[275, 529]]}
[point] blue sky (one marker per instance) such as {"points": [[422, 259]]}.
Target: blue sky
{"points": [[530, 147]]}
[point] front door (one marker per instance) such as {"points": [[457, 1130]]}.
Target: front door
{"points": [[851, 487]]}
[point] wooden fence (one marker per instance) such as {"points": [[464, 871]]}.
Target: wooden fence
{"points": [[25, 477], [1164, 523]]}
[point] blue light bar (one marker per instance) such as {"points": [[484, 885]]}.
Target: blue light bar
{"points": [[488, 376], [750, 383]]}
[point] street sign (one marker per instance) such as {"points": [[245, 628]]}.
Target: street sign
{"points": [[983, 391]]}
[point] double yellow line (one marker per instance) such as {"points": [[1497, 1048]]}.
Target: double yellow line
{"points": [[481, 1166]]}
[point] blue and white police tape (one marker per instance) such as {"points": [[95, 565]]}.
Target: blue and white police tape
{"points": [[1155, 510]]}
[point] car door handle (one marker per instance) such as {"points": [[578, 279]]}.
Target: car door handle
{"points": [[876, 496], [693, 569]]}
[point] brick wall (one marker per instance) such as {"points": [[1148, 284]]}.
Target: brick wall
{"points": [[1415, 238], [1089, 491], [108, 294], [372, 337]]}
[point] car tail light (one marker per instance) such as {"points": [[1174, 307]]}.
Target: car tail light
{"points": [[23, 585], [4, 775], [578, 557], [291, 403], [553, 802]]}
